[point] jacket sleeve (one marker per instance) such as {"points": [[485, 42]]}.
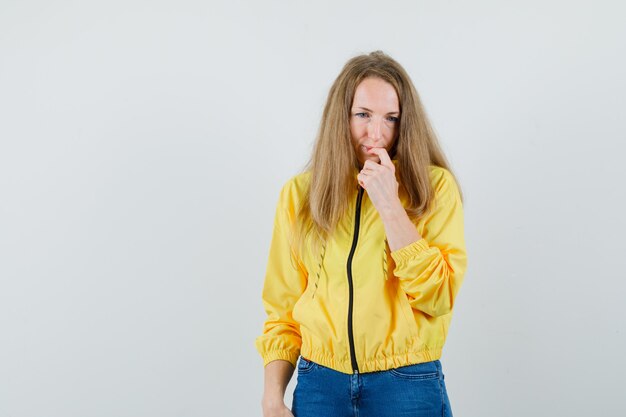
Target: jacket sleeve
{"points": [[431, 269], [285, 281]]}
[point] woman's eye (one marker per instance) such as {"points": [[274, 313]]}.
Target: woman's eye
{"points": [[393, 119]]}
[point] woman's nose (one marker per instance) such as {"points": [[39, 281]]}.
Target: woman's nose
{"points": [[374, 129]]}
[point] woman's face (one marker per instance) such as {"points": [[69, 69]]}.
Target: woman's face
{"points": [[374, 118]]}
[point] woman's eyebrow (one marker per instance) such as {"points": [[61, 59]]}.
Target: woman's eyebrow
{"points": [[366, 109]]}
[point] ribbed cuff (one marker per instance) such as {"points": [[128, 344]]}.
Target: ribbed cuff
{"points": [[288, 355], [409, 251]]}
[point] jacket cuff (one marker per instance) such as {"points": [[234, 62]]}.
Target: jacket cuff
{"points": [[288, 355], [409, 251]]}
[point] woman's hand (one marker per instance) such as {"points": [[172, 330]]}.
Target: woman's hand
{"points": [[382, 188], [277, 376], [379, 180], [276, 410]]}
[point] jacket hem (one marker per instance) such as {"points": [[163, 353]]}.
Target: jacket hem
{"points": [[378, 363]]}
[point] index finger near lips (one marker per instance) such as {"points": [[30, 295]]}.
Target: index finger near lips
{"points": [[385, 160]]}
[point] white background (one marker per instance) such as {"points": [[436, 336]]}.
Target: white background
{"points": [[144, 143]]}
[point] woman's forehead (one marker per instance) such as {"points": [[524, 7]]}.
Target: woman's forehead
{"points": [[376, 95]]}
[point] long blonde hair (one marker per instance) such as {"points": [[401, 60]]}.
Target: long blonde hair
{"points": [[333, 164]]}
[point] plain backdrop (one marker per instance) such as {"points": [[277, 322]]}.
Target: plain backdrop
{"points": [[144, 144]]}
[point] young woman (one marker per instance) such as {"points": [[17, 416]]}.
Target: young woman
{"points": [[366, 258]]}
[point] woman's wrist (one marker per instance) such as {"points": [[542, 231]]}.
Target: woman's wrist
{"points": [[272, 401], [393, 211]]}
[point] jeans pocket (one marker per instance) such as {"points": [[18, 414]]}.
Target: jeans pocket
{"points": [[305, 366], [424, 370]]}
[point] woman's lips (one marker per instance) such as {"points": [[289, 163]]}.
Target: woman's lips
{"points": [[367, 148]]}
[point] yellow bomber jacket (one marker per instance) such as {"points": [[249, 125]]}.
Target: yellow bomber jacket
{"points": [[357, 306]]}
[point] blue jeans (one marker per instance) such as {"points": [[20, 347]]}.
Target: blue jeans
{"points": [[414, 390]]}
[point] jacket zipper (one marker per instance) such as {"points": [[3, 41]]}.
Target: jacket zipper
{"points": [[357, 216]]}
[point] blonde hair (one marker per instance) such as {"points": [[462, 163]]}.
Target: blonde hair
{"points": [[333, 164]]}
